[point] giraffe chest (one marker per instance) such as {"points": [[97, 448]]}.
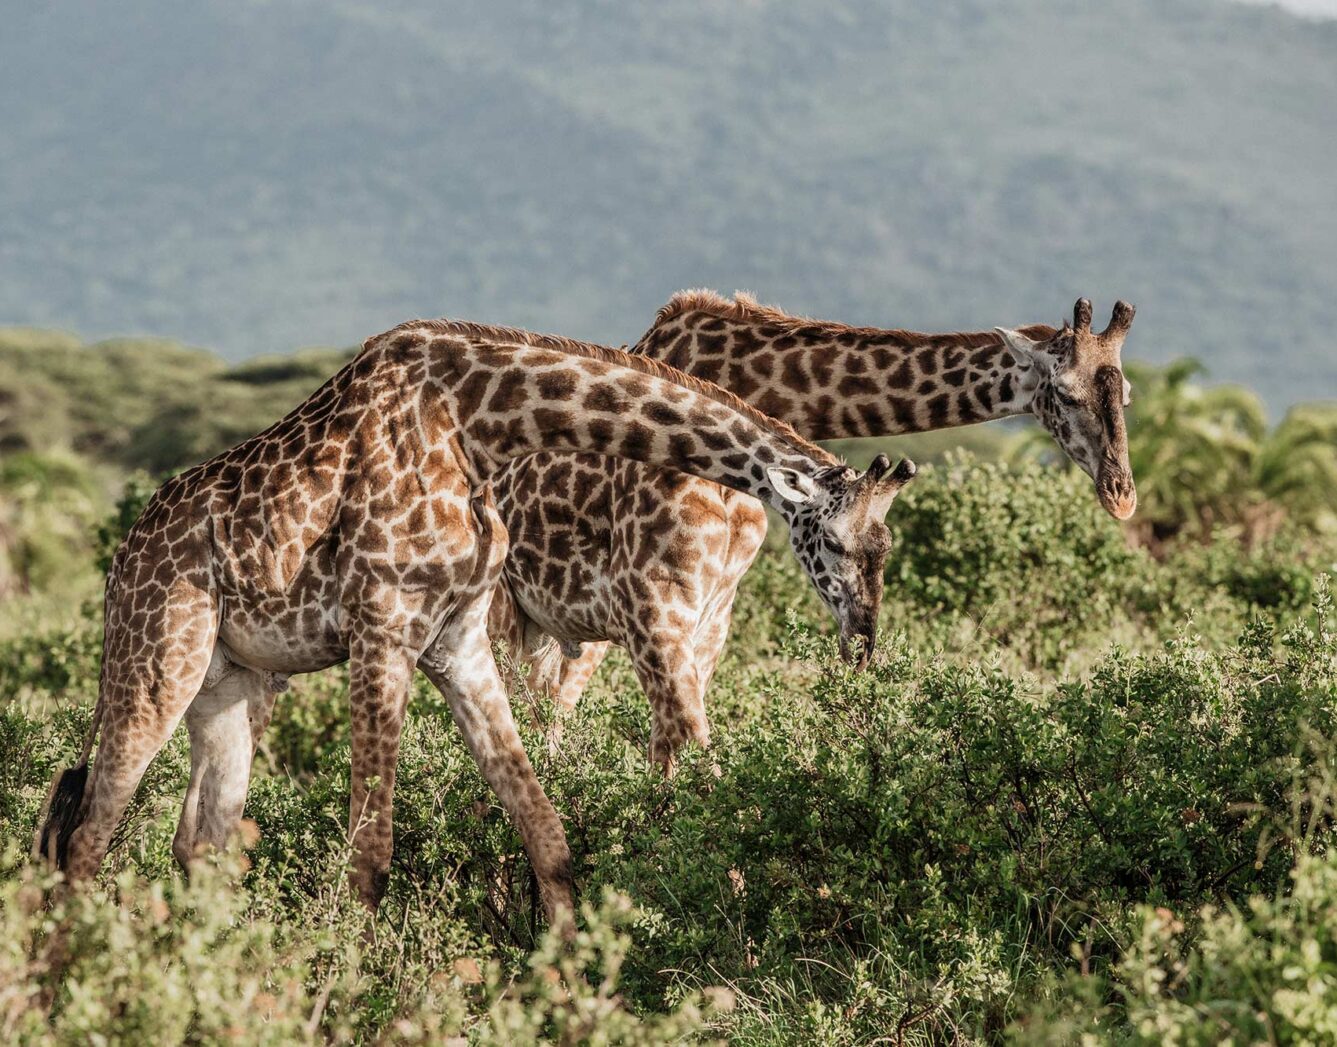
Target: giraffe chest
{"points": [[604, 547]]}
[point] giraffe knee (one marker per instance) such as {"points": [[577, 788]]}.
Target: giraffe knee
{"points": [[556, 878], [370, 885], [664, 753], [380, 882], [670, 732], [555, 866]]}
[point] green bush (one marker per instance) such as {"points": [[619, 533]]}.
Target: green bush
{"points": [[57, 665], [951, 826], [210, 961], [1258, 970], [1061, 740], [150, 963], [1026, 551], [1022, 557]]}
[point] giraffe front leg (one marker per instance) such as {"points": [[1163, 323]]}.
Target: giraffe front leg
{"points": [[666, 665], [379, 676], [461, 666]]}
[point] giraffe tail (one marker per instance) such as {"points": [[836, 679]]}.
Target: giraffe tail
{"points": [[63, 811]]}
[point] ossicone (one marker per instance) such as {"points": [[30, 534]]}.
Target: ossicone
{"points": [[881, 473], [1120, 320]]}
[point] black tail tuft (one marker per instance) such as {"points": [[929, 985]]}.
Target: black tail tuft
{"points": [[62, 815]]}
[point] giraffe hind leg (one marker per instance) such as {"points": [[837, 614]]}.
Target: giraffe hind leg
{"points": [[149, 678], [573, 672], [225, 722], [560, 676]]}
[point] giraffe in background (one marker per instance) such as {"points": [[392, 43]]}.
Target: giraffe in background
{"points": [[651, 559]]}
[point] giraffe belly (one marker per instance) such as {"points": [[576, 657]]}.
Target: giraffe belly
{"points": [[300, 630], [565, 601], [284, 639], [281, 644]]}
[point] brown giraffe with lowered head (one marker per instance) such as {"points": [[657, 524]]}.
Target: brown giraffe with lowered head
{"points": [[360, 527], [651, 559]]}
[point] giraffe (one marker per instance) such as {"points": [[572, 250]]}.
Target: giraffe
{"points": [[652, 559], [362, 527]]}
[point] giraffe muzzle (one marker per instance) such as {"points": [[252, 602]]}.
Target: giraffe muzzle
{"points": [[1117, 493], [857, 645]]}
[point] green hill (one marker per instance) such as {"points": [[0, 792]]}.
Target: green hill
{"points": [[143, 403], [262, 176]]}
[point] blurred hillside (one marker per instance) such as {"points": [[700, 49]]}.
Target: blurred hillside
{"points": [[76, 420], [255, 176], [137, 403]]}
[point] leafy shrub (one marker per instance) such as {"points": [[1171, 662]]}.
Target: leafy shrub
{"points": [[937, 830], [1025, 550], [208, 961], [57, 665], [1023, 556], [154, 963], [1260, 970]]}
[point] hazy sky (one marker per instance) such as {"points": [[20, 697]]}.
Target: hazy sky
{"points": [[1319, 8]]}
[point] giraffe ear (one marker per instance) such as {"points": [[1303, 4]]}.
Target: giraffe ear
{"points": [[791, 485], [1024, 351]]}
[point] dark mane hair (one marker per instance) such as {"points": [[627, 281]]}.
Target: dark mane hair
{"points": [[746, 309]]}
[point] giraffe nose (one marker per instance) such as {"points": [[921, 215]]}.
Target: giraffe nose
{"points": [[864, 637], [1117, 494]]}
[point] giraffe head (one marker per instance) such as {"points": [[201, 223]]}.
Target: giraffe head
{"points": [[1079, 396], [837, 531]]}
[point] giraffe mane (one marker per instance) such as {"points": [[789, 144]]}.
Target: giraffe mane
{"points": [[744, 308], [619, 357]]}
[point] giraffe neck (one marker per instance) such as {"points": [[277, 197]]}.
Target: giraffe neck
{"points": [[834, 382], [510, 394]]}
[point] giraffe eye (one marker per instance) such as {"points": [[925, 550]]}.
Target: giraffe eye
{"points": [[1067, 399]]}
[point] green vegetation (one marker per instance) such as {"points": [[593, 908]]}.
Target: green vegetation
{"points": [[143, 403], [1086, 790]]}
